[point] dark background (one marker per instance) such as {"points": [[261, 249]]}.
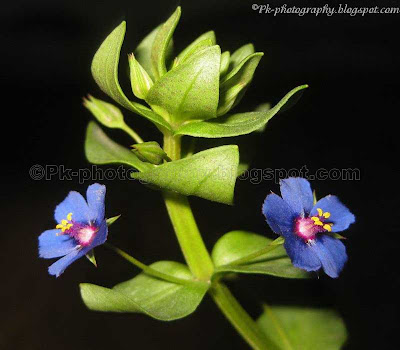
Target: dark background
{"points": [[347, 118]]}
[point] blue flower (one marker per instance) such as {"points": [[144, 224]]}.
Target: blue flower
{"points": [[307, 227], [81, 227]]}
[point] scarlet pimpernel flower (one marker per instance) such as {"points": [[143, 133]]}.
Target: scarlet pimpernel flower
{"points": [[307, 228], [81, 226]]}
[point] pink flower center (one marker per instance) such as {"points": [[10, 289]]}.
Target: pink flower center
{"points": [[308, 228], [83, 234]]}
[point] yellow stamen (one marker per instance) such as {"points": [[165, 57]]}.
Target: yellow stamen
{"points": [[314, 218], [319, 210], [64, 222], [327, 214], [327, 227], [319, 223], [59, 226], [69, 217]]}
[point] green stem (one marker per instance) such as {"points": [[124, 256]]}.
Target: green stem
{"points": [[148, 270], [238, 317], [199, 260], [132, 133], [185, 226]]}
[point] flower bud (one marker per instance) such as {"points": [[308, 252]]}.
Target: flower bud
{"points": [[106, 113], [150, 152], [140, 80]]}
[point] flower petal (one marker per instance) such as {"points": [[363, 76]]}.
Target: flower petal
{"points": [[60, 265], [332, 254], [279, 214], [74, 203], [297, 192], [53, 246], [101, 235], [301, 254], [341, 217], [95, 195]]}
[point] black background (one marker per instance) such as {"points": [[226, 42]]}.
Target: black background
{"points": [[347, 118]]}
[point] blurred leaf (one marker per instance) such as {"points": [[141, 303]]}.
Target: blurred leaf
{"points": [[300, 328], [236, 124], [161, 42], [240, 54], [190, 90], [210, 174], [236, 245], [157, 298], [100, 149], [236, 81], [105, 73]]}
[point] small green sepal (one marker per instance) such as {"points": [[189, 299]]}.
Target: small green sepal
{"points": [[111, 220], [91, 257]]}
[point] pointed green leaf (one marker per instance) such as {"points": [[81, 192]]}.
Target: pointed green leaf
{"points": [[157, 298], [210, 174], [300, 328], [161, 42], [239, 244], [100, 149], [189, 91], [236, 124], [204, 40], [240, 54], [105, 73], [111, 220]]}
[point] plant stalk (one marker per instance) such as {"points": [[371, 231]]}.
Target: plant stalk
{"points": [[199, 260], [238, 317]]}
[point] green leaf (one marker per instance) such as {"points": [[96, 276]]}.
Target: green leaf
{"points": [[189, 91], [100, 149], [209, 174], [236, 245], [143, 51], [157, 298], [236, 81], [111, 220], [204, 40], [105, 73], [240, 54], [236, 124], [161, 42], [300, 328]]}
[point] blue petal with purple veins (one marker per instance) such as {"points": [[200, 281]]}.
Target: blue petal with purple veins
{"points": [[54, 245]]}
